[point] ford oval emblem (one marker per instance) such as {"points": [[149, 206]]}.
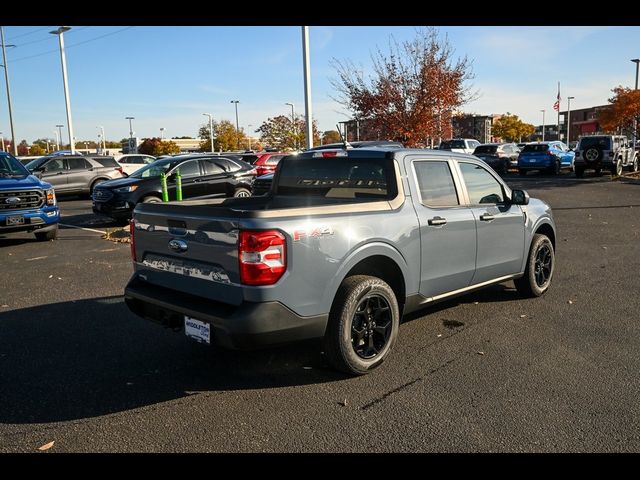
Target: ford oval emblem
{"points": [[12, 200], [178, 245]]}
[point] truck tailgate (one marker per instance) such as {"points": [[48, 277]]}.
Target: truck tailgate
{"points": [[192, 254]]}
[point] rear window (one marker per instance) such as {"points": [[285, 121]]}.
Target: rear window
{"points": [[339, 177], [274, 159], [486, 149], [542, 148], [106, 161], [602, 142], [449, 144]]}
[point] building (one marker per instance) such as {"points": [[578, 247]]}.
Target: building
{"points": [[550, 133], [186, 145], [471, 125], [584, 121], [364, 130]]}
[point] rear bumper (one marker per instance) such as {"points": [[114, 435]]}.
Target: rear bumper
{"points": [[246, 326]]}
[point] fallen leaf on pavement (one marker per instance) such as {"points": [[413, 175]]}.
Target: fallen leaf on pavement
{"points": [[439, 335], [570, 302], [343, 403], [50, 276], [46, 446], [480, 353], [523, 316]]}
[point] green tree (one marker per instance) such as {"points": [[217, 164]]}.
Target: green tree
{"points": [[511, 128], [331, 136], [281, 133], [112, 144], [225, 135], [156, 147], [36, 149]]}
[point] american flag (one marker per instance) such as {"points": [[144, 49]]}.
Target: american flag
{"points": [[556, 106]]}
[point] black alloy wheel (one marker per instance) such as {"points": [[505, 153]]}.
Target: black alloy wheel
{"points": [[371, 326], [543, 265]]}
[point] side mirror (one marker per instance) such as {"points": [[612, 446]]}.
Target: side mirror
{"points": [[519, 197]]}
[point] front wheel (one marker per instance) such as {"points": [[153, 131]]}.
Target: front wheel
{"points": [[363, 325], [634, 164], [616, 169], [539, 270], [151, 199], [241, 193]]}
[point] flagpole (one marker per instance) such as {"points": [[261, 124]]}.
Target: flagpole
{"points": [[558, 111]]}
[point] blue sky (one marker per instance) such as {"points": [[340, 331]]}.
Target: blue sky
{"points": [[168, 76]]}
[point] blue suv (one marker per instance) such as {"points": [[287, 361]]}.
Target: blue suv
{"points": [[550, 157], [27, 204]]}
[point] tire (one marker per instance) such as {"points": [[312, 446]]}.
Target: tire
{"points": [[579, 171], [361, 301], [539, 271], [46, 236], [556, 169], [96, 182], [505, 168], [593, 154], [242, 192], [151, 199], [616, 168], [634, 164], [522, 172]]}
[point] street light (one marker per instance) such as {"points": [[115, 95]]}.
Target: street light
{"points": [[542, 124], [131, 134], [161, 133], [237, 124], [6, 78], [104, 141], [569, 119], [248, 137], [2, 138], [635, 119], [210, 129], [59, 137], [293, 125], [60, 32]]}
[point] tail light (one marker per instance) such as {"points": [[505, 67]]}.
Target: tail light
{"points": [[132, 239], [550, 153], [262, 256]]}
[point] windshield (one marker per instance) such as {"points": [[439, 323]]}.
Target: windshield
{"points": [[36, 163], [11, 167], [358, 178], [155, 169], [602, 142], [449, 144]]}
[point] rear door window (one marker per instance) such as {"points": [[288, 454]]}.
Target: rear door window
{"points": [[601, 142], [436, 184], [189, 169], [77, 164], [54, 165]]}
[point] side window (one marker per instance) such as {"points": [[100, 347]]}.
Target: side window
{"points": [[124, 160], [481, 185], [227, 165], [189, 169], [147, 160], [77, 164], [211, 168], [54, 165], [436, 184]]}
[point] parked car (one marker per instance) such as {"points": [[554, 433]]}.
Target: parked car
{"points": [[341, 255], [460, 145], [202, 177], [359, 144], [267, 162], [27, 204], [549, 157], [75, 174], [499, 156], [132, 162], [612, 152]]}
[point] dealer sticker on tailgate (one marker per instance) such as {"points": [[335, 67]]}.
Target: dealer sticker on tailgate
{"points": [[197, 330]]}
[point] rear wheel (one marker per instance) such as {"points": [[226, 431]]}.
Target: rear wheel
{"points": [[539, 270], [242, 192], [556, 168], [616, 169], [46, 236], [634, 164], [363, 325]]}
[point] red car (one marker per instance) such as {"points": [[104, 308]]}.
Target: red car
{"points": [[266, 162]]}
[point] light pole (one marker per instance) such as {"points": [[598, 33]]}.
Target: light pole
{"points": [[248, 137], [542, 124], [635, 119], [104, 141], [60, 32], [2, 138], [131, 134], [59, 136], [210, 129], [237, 124], [307, 86], [293, 125], [161, 133], [86, 147], [569, 119], [6, 78], [320, 133]]}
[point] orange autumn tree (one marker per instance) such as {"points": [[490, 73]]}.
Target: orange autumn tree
{"points": [[413, 90], [625, 106]]}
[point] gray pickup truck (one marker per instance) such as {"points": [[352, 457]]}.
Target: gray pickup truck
{"points": [[344, 244]]}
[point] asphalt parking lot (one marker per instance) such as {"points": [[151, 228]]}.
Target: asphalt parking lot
{"points": [[485, 372]]}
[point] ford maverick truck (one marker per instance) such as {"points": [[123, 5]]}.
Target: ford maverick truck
{"points": [[345, 242]]}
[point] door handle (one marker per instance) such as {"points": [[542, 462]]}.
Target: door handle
{"points": [[437, 221], [486, 217]]}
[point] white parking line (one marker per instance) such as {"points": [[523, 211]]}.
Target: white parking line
{"points": [[82, 228]]}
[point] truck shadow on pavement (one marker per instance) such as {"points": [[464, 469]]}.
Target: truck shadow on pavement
{"points": [[87, 358]]}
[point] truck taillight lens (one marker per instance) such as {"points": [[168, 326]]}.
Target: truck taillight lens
{"points": [[262, 256], [132, 238]]}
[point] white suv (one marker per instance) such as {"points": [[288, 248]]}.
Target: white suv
{"points": [[132, 162], [460, 145]]}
